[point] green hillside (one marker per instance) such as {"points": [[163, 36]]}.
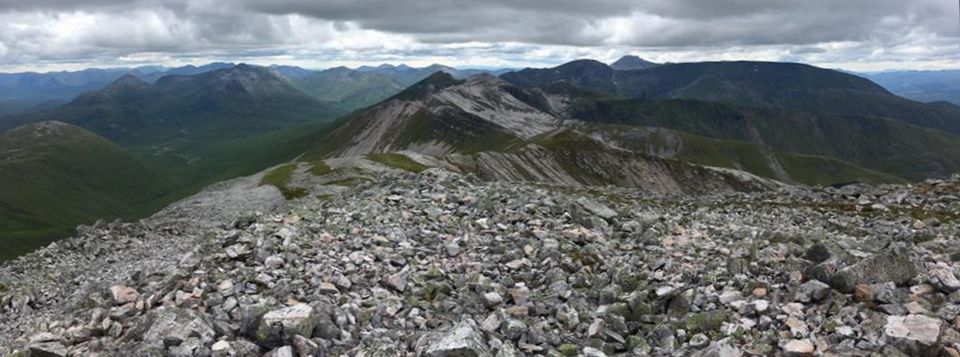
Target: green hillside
{"points": [[879, 144], [413, 120], [238, 100], [750, 84], [187, 131], [740, 155], [204, 127], [347, 88], [54, 176]]}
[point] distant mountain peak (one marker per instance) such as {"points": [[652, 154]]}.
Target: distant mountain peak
{"points": [[440, 67], [19, 142], [584, 62], [583, 66], [127, 85], [424, 88], [631, 62], [127, 80], [485, 78]]}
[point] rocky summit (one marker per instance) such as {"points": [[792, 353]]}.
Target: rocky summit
{"points": [[444, 264]]}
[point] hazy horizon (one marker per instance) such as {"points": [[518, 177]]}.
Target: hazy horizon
{"points": [[162, 67]]}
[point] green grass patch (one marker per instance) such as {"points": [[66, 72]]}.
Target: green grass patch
{"points": [[280, 178], [704, 321], [398, 161], [65, 178], [814, 170], [319, 168]]}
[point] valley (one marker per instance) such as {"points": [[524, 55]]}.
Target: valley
{"points": [[643, 126]]}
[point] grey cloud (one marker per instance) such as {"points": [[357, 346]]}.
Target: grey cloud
{"points": [[572, 22], [696, 21], [258, 27]]}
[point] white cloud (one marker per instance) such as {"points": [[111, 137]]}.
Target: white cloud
{"points": [[858, 33]]}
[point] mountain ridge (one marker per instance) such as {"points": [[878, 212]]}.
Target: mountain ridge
{"points": [[745, 83], [444, 117]]}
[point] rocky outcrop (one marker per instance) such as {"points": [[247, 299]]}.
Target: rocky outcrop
{"points": [[442, 264], [571, 158]]}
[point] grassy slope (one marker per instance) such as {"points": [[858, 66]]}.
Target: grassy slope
{"points": [[398, 161], [884, 145], [468, 135], [804, 169], [191, 131], [751, 84], [280, 178], [44, 199], [574, 149], [66, 180]]}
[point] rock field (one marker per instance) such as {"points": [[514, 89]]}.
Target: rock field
{"points": [[442, 264]]}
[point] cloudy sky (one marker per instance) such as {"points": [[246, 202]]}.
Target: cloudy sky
{"points": [[851, 34]]}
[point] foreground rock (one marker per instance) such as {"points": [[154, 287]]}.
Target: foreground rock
{"points": [[440, 264], [464, 339]]}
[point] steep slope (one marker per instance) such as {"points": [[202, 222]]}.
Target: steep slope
{"points": [[571, 158], [54, 176], [201, 128], [752, 84], [880, 144], [238, 100], [735, 154], [588, 74], [500, 132], [442, 115], [494, 128]]}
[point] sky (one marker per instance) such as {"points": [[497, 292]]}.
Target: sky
{"points": [[857, 35]]}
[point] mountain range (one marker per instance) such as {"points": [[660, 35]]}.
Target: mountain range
{"points": [[683, 128], [924, 86]]}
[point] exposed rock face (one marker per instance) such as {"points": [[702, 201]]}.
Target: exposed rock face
{"points": [[797, 348], [879, 268], [437, 122], [570, 163], [281, 326], [463, 340], [182, 330], [812, 291], [123, 295], [442, 264], [915, 334]]}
